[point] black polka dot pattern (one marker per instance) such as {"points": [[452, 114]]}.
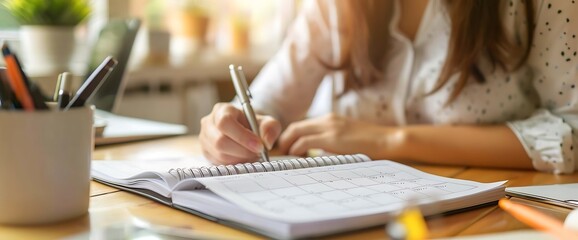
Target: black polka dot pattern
{"points": [[548, 134], [530, 101]]}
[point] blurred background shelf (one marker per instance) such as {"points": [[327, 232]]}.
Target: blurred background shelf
{"points": [[178, 66], [183, 93]]}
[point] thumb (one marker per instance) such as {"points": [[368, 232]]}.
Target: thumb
{"points": [[270, 129]]}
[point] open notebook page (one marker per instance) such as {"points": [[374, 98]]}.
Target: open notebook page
{"points": [[147, 174], [324, 195], [150, 174]]}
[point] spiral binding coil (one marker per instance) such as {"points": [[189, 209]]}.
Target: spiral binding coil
{"points": [[280, 165]]}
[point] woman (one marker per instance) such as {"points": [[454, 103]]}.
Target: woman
{"points": [[479, 83]]}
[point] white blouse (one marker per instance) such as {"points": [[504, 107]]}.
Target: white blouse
{"points": [[539, 101]]}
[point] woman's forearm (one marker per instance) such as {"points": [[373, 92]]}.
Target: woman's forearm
{"points": [[485, 146]]}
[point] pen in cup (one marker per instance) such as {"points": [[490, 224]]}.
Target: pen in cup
{"points": [[16, 80], [244, 95], [92, 83], [31, 93], [63, 89], [57, 88]]}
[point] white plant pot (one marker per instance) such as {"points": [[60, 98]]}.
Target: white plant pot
{"points": [[47, 50]]}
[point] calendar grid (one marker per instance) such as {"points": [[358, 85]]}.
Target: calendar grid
{"points": [[329, 189]]}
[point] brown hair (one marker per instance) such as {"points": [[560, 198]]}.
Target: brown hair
{"points": [[476, 30]]}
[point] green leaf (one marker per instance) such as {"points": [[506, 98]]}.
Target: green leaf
{"points": [[48, 12]]}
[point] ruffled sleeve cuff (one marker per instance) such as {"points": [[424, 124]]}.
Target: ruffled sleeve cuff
{"points": [[548, 141]]}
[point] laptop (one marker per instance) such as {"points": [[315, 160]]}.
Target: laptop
{"points": [[564, 195], [116, 39]]}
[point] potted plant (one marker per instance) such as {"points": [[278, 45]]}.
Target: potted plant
{"points": [[191, 19], [47, 31], [189, 23]]}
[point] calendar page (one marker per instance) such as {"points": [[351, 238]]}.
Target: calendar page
{"points": [[341, 191]]}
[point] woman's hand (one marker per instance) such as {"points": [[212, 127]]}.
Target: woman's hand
{"points": [[226, 137], [341, 135]]}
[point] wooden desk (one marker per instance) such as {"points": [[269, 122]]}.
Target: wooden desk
{"points": [[111, 206]]}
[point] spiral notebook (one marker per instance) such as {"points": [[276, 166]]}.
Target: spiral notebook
{"points": [[295, 198]]}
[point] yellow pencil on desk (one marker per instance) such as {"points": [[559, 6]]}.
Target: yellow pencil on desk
{"points": [[537, 220]]}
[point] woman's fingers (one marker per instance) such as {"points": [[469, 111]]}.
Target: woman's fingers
{"points": [[304, 143], [298, 130], [226, 137], [229, 122], [270, 130], [224, 145], [217, 147], [224, 159]]}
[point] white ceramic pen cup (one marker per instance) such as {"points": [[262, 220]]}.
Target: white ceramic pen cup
{"points": [[45, 165]]}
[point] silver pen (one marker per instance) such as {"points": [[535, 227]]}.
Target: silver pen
{"points": [[244, 95]]}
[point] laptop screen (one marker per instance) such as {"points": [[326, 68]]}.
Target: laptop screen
{"points": [[115, 39]]}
